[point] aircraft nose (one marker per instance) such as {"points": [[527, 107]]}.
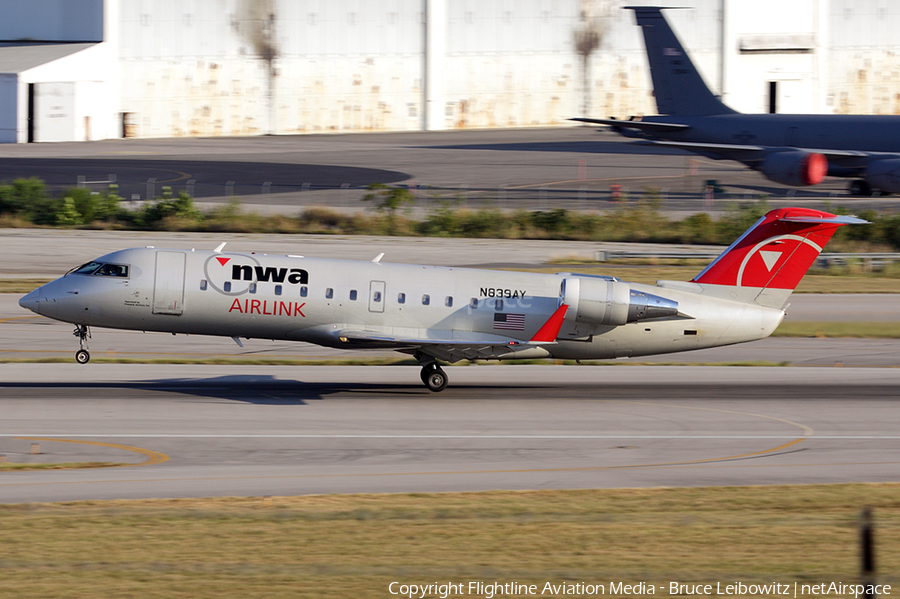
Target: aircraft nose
{"points": [[32, 301]]}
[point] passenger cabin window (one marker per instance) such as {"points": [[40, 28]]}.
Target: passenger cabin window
{"points": [[401, 298], [426, 299], [474, 303], [227, 286], [498, 305], [304, 291], [448, 301], [277, 289], [329, 293], [353, 295], [252, 287], [376, 297], [203, 285]]}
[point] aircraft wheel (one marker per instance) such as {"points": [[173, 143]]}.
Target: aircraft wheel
{"points": [[860, 187], [434, 378], [82, 356]]}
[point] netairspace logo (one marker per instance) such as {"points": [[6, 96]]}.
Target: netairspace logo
{"points": [[489, 590]]}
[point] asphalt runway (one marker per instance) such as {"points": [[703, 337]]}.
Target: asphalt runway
{"points": [[536, 169], [190, 431]]}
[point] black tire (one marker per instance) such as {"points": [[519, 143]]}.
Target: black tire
{"points": [[435, 379], [859, 187], [82, 356]]}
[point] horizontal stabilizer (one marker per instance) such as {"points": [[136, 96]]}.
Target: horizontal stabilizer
{"points": [[641, 125], [838, 220]]}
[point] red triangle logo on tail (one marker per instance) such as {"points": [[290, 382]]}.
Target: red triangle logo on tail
{"points": [[223, 261]]}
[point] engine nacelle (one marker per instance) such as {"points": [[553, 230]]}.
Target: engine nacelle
{"points": [[794, 167], [611, 303], [884, 175]]}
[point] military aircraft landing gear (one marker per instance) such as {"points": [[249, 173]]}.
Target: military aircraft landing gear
{"points": [[860, 187], [432, 374], [82, 356]]}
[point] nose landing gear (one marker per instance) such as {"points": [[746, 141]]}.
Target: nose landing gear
{"points": [[82, 356]]}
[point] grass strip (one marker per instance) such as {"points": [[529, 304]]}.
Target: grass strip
{"points": [[857, 330], [356, 545], [21, 285], [19, 467]]}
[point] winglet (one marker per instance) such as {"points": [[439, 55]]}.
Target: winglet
{"points": [[550, 331]]}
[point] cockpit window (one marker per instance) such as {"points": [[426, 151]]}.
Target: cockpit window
{"points": [[102, 269], [87, 269], [112, 270]]}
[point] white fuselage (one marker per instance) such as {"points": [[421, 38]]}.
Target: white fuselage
{"points": [[313, 300]]}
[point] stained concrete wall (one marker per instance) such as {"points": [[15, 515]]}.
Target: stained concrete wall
{"points": [[864, 58], [244, 67]]}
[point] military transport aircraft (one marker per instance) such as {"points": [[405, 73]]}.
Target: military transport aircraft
{"points": [[790, 149], [443, 313]]}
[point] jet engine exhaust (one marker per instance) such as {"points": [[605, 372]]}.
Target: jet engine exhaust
{"points": [[611, 302], [644, 306]]}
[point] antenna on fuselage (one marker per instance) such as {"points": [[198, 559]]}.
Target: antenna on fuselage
{"points": [[378, 258], [220, 247]]}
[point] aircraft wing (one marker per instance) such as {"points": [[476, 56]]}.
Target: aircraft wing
{"points": [[714, 147], [452, 350], [751, 154], [471, 346]]}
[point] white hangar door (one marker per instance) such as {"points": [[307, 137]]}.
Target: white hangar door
{"points": [[168, 286]]}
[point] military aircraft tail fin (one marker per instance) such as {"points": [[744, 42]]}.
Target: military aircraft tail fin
{"points": [[765, 264], [677, 85]]}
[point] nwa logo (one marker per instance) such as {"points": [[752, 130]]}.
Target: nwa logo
{"points": [[244, 272], [233, 274]]}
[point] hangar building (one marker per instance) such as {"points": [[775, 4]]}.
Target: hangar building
{"points": [[99, 69]]}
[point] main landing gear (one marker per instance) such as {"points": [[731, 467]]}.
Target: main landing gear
{"points": [[860, 187], [432, 375], [82, 356]]}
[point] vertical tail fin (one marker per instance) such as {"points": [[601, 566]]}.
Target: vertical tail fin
{"points": [[765, 264], [677, 85]]}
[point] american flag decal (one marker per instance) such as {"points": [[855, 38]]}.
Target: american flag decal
{"points": [[509, 322]]}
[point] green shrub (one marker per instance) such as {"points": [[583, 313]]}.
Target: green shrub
{"points": [[179, 210], [23, 197]]}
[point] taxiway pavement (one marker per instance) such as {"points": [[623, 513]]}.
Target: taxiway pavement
{"points": [[568, 167]]}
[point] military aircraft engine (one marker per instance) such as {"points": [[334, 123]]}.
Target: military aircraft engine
{"points": [[795, 167], [611, 302], [884, 175]]}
